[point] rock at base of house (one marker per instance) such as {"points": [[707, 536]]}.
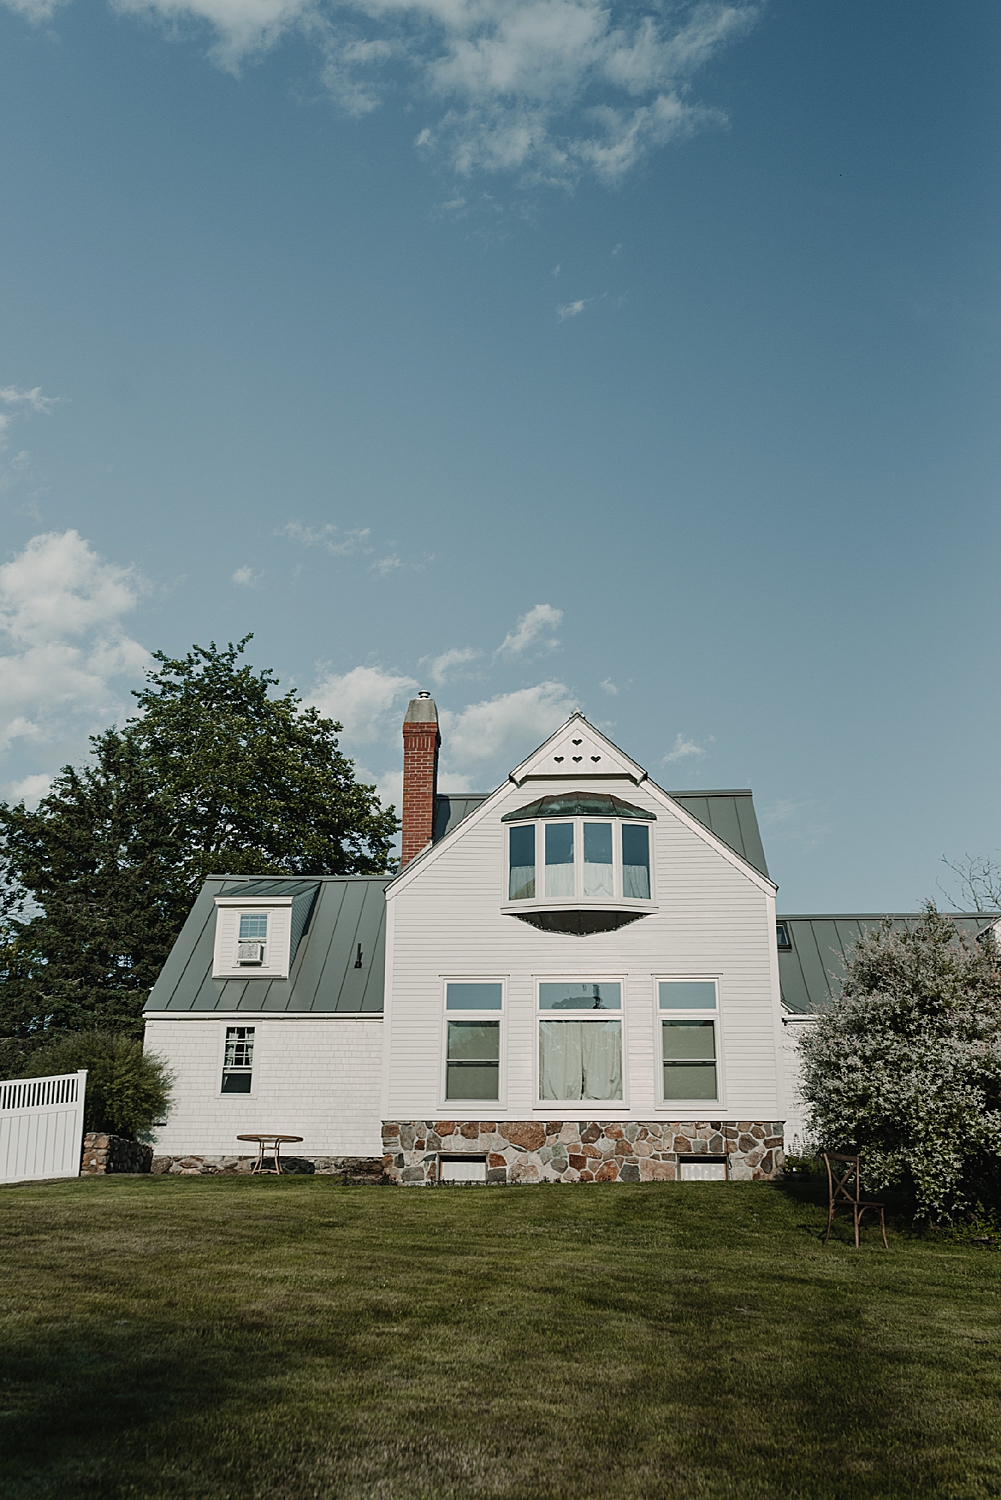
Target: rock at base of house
{"points": [[104, 1154], [526, 1151], [365, 1170]]}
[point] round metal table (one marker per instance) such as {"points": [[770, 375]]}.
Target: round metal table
{"points": [[275, 1141]]}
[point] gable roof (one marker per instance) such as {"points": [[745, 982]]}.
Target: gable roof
{"points": [[349, 911], [812, 969]]}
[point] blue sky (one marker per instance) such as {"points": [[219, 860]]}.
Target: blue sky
{"points": [[641, 358]]}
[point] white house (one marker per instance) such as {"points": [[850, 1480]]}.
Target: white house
{"points": [[575, 977]]}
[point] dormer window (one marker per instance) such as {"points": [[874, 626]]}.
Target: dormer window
{"points": [[563, 855], [252, 939]]}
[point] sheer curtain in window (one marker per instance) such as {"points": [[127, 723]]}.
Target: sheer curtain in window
{"points": [[580, 1059]]}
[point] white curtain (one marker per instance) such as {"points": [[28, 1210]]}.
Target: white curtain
{"points": [[580, 1059]]}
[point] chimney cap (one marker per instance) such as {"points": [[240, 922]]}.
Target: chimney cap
{"points": [[421, 710]]}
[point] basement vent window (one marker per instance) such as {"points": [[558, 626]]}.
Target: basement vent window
{"points": [[702, 1169], [462, 1169]]}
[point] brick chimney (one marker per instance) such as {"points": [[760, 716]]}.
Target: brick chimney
{"points": [[420, 774]]}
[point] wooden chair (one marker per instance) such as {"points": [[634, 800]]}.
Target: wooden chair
{"points": [[844, 1187]]}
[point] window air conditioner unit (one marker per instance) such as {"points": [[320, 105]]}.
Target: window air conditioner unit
{"points": [[250, 953]]}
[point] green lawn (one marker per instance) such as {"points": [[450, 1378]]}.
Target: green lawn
{"points": [[294, 1338]]}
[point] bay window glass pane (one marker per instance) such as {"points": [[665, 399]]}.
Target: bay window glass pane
{"points": [[591, 995], [559, 859], [253, 926], [635, 862], [473, 996], [521, 886], [473, 1060], [687, 994], [580, 1059], [598, 859], [689, 1059]]}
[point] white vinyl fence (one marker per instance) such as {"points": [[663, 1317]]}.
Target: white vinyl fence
{"points": [[41, 1127]]}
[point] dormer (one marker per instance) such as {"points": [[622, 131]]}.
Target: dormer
{"points": [[259, 926]]}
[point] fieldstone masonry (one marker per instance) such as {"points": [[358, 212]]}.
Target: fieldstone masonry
{"points": [[581, 1150], [113, 1153], [360, 1169]]}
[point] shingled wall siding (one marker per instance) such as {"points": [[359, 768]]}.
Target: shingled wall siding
{"points": [[580, 1150], [315, 1076]]}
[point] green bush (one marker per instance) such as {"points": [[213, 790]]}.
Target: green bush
{"points": [[127, 1089]]}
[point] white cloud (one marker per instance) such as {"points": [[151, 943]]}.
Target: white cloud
{"points": [[572, 309], [246, 577], [387, 565], [18, 403], [557, 270], [442, 666], [61, 609], [608, 686], [548, 89], [682, 749], [503, 730], [537, 622], [330, 538], [363, 700], [30, 789]]}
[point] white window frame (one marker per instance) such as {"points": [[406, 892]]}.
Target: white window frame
{"points": [[583, 1108], [578, 900], [486, 1107], [228, 1025], [276, 965], [688, 1107]]}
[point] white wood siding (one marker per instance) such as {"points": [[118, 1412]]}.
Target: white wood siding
{"points": [[713, 919], [314, 1076]]}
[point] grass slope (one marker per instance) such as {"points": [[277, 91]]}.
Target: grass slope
{"points": [[293, 1338]]}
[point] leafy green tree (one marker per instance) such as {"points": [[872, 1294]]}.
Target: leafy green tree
{"points": [[216, 774], [907, 1065], [127, 1089]]}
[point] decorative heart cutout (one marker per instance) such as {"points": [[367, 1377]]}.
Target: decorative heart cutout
{"points": [[557, 757], [595, 757], [577, 758], [578, 742]]}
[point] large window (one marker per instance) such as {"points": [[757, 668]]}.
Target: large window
{"points": [[472, 1044], [689, 1013], [583, 860], [238, 1061], [580, 1058]]}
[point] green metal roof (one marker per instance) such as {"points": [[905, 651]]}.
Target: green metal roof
{"points": [[812, 969], [347, 914], [579, 805], [731, 817], [451, 807]]}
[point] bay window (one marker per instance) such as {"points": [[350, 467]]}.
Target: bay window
{"points": [[583, 860]]}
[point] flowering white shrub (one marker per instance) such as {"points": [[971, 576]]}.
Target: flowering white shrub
{"points": [[907, 1065]]}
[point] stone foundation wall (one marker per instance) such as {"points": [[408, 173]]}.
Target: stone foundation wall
{"points": [[112, 1153], [361, 1169], [581, 1150]]}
